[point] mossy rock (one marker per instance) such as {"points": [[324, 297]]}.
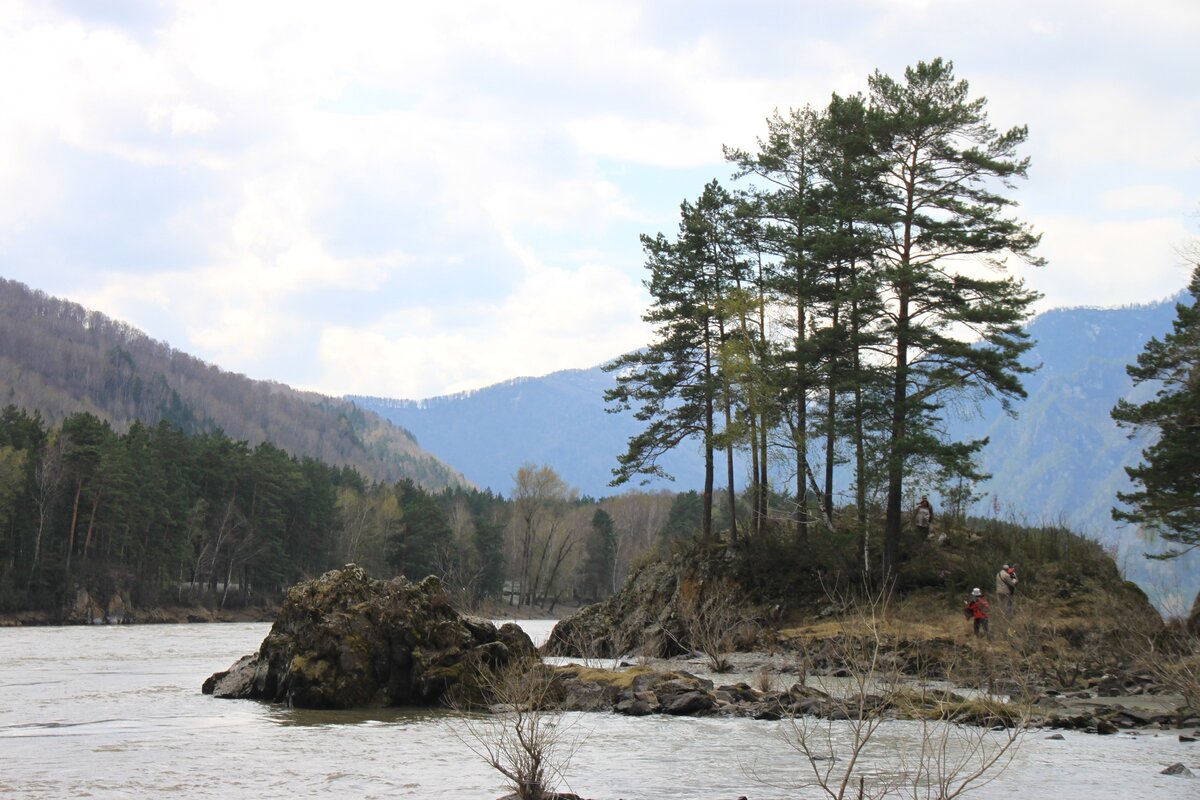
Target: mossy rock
{"points": [[344, 640]]}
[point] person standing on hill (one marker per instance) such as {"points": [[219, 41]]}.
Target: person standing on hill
{"points": [[1006, 586], [976, 609], [923, 516]]}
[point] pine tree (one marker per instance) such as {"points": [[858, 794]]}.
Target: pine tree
{"points": [[676, 383], [785, 195], [945, 170], [1168, 498]]}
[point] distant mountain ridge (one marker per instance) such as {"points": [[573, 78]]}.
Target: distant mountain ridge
{"points": [[58, 358], [557, 420], [1061, 459], [560, 420]]}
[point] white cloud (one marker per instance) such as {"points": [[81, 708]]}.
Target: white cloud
{"points": [[1144, 197], [183, 120], [420, 157], [559, 205], [556, 319], [1108, 262], [1109, 124]]}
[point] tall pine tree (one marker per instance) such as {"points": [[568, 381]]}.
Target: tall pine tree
{"points": [[1167, 500], [953, 325]]}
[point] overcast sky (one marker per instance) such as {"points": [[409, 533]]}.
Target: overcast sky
{"points": [[410, 199]]}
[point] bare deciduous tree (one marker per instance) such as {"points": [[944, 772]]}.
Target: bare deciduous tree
{"points": [[48, 477], [714, 619], [539, 496], [853, 747], [523, 735]]}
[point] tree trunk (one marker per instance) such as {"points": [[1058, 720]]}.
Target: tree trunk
{"points": [[87, 541], [74, 521], [709, 432], [898, 445], [801, 431]]}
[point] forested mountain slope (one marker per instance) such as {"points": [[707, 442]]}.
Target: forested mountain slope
{"points": [[58, 358], [1060, 460], [1063, 457], [1060, 457], [557, 420]]}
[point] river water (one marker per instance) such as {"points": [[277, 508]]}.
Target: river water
{"points": [[117, 712]]}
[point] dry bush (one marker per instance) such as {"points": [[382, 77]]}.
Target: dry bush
{"points": [[714, 621], [763, 680], [853, 746], [522, 735], [1171, 659]]}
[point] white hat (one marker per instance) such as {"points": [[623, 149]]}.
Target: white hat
{"points": [[976, 593]]}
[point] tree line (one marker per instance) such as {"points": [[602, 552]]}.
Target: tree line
{"points": [[827, 310], [1165, 498], [163, 518]]}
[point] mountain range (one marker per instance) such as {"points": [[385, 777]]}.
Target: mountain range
{"points": [[1060, 456], [1060, 460]]}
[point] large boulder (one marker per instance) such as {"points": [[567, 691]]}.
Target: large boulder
{"points": [[344, 640], [641, 618], [649, 615]]}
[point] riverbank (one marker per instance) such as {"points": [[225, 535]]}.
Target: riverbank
{"points": [[757, 681], [159, 615]]}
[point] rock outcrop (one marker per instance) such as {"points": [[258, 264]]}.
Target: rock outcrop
{"points": [[649, 616], [85, 610], [640, 691], [344, 640]]}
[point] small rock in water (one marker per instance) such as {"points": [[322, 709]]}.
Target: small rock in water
{"points": [[1184, 738], [1178, 769], [1055, 737]]}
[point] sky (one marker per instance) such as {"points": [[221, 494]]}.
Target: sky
{"points": [[409, 199]]}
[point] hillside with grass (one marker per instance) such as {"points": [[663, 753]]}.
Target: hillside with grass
{"points": [[1070, 589], [1080, 648]]}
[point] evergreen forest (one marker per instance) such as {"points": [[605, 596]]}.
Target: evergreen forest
{"points": [[162, 518]]}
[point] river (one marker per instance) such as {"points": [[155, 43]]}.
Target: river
{"points": [[117, 712]]}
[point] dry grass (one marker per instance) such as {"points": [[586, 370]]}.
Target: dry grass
{"points": [[620, 679]]}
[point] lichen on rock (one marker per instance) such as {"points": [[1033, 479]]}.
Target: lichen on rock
{"points": [[345, 640]]}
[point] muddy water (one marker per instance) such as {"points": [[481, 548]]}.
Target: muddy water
{"points": [[117, 712]]}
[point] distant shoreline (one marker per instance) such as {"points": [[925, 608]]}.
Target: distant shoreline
{"points": [[179, 615], [167, 615]]}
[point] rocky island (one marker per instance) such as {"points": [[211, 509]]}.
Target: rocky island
{"points": [[344, 640]]}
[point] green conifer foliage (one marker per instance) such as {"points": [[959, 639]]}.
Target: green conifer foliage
{"points": [[1167, 498]]}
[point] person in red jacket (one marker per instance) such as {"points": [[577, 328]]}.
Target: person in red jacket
{"points": [[977, 609]]}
